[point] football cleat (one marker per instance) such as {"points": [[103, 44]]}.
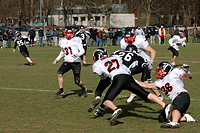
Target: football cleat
{"points": [[189, 118], [84, 92], [59, 93], [168, 111], [170, 125], [98, 112], [30, 63], [130, 99], [94, 104], [115, 114]]}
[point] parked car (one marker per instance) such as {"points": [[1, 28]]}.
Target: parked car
{"points": [[159, 25], [180, 27]]}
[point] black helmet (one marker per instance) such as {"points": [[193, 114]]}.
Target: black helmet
{"points": [[82, 27], [99, 53], [18, 35], [163, 69], [131, 48]]}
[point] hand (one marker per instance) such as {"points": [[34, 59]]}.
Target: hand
{"points": [[150, 64], [55, 62], [13, 50], [186, 67], [75, 56]]}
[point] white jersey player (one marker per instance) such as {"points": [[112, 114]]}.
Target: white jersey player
{"points": [[71, 48], [143, 48], [175, 42], [112, 68], [170, 82]]}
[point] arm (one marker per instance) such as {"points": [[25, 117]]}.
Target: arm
{"points": [[59, 57], [152, 51], [186, 75]]}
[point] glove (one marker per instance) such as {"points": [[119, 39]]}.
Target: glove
{"points": [[185, 67], [75, 56], [150, 64], [13, 50], [55, 62]]}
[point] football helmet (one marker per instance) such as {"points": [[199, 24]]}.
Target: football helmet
{"points": [[163, 69], [69, 33], [18, 35], [129, 36], [131, 48], [182, 35], [99, 53]]}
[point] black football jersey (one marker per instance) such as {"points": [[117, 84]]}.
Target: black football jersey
{"points": [[83, 35], [21, 43]]}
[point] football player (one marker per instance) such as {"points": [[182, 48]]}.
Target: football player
{"points": [[83, 34], [113, 68], [72, 49], [21, 43], [143, 48], [170, 82], [175, 42]]}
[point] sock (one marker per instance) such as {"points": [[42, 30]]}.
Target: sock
{"points": [[61, 89], [28, 59]]}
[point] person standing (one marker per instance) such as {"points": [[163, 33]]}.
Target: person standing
{"points": [[48, 37], [177, 31], [139, 31], [83, 35], [41, 35], [110, 37], [98, 37], [162, 34], [172, 32], [9, 34], [5, 38], [156, 35], [55, 37], [31, 34], [198, 35], [194, 36], [71, 49], [104, 38], [93, 36], [186, 34], [119, 36], [114, 37], [152, 35], [61, 34], [21, 43]]}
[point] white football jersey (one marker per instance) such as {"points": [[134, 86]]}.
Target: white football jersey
{"points": [[171, 85], [110, 67], [70, 48], [176, 41]]}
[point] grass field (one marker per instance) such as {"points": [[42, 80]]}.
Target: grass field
{"points": [[27, 103]]}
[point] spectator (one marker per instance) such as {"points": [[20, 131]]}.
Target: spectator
{"points": [[110, 37], [198, 35], [172, 32], [139, 31], [106, 30], [186, 34], [146, 33], [123, 32], [93, 36], [60, 34], [194, 35], [152, 35], [31, 34], [104, 38], [119, 36], [5, 38], [9, 34], [55, 36], [114, 37], [156, 39], [48, 37], [177, 31], [41, 35], [162, 35], [98, 37], [86, 37]]}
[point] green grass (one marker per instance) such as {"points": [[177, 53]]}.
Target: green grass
{"points": [[28, 105]]}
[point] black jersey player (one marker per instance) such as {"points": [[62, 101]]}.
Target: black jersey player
{"points": [[21, 43], [83, 34]]}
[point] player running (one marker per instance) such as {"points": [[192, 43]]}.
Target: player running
{"points": [[72, 49], [21, 43]]}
